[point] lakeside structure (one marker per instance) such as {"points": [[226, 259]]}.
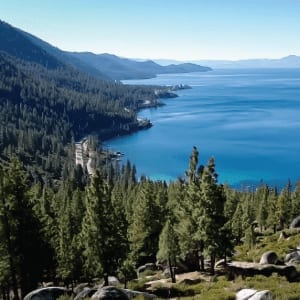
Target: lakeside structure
{"points": [[84, 156]]}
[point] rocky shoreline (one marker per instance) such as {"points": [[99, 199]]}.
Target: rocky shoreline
{"points": [[85, 157]]}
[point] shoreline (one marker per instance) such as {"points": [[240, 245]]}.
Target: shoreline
{"points": [[84, 156]]}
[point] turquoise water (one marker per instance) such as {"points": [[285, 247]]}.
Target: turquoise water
{"points": [[248, 120]]}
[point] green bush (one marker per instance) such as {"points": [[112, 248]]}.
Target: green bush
{"points": [[64, 297], [267, 243]]}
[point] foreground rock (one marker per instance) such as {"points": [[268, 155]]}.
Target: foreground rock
{"points": [[295, 223], [133, 294], [86, 293], [251, 294], [48, 293], [109, 293], [246, 269], [269, 257], [292, 258], [245, 294]]}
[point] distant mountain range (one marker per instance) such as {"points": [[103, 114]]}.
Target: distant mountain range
{"points": [[106, 66], [122, 68], [291, 61]]}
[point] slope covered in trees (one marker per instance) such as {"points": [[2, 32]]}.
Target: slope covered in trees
{"points": [[46, 104], [42, 110], [115, 223]]}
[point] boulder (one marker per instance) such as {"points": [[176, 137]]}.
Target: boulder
{"points": [[245, 294], [112, 280], [80, 287], [167, 272], [246, 269], [110, 293], [86, 293], [269, 257], [133, 294], [262, 295], [292, 257], [47, 293], [295, 223]]}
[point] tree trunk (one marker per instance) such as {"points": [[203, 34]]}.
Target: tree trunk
{"points": [[201, 256], [125, 280], [212, 264], [225, 259], [196, 255], [105, 275], [172, 271]]}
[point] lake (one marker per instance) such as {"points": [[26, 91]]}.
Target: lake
{"points": [[248, 120]]}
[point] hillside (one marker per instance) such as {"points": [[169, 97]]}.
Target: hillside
{"points": [[123, 68], [104, 66], [45, 104], [14, 43], [66, 57]]}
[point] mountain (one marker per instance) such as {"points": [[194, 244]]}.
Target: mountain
{"points": [[14, 43], [122, 68], [116, 67], [291, 61], [105, 66], [45, 104], [65, 56]]}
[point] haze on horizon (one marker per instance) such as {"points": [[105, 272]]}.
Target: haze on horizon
{"points": [[155, 29]]}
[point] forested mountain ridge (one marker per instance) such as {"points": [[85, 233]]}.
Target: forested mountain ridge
{"points": [[46, 104], [66, 57], [40, 116], [14, 43], [105, 66]]}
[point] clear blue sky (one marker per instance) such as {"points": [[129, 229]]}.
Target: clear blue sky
{"points": [[176, 29]]}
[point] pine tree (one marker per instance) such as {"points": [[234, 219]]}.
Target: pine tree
{"points": [[296, 201], [99, 236], [284, 206], [272, 209], [143, 232], [237, 224], [69, 214], [19, 232], [168, 247], [262, 195], [212, 219]]}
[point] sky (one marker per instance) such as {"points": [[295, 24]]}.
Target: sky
{"points": [[169, 29]]}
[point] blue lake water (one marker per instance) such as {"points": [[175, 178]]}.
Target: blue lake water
{"points": [[248, 120]]}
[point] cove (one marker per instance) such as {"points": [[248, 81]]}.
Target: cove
{"points": [[248, 120]]}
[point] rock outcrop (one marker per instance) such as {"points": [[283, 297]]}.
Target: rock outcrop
{"points": [[109, 293], [245, 269], [292, 258], [47, 293], [251, 294], [86, 293], [269, 257], [295, 223]]}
